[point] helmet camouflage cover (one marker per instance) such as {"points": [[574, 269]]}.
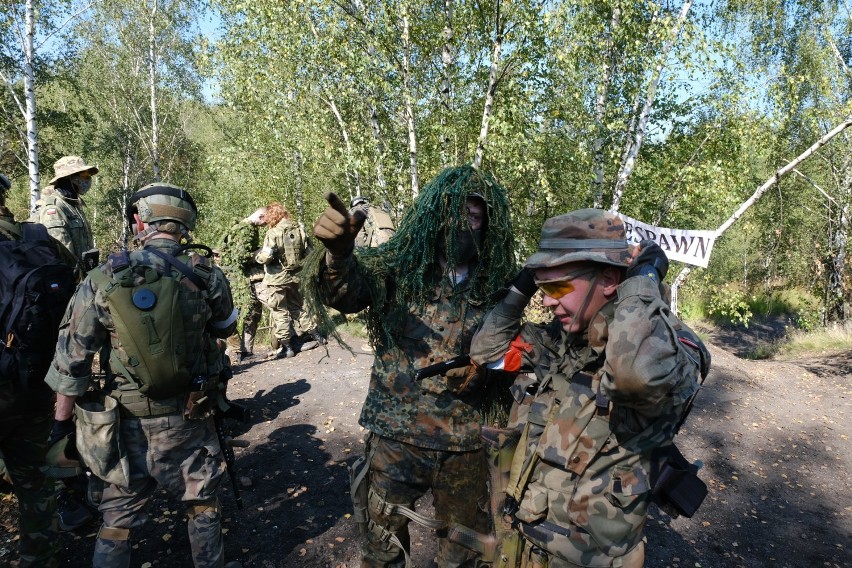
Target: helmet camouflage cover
{"points": [[584, 235], [162, 202]]}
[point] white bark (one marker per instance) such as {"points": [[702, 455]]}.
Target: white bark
{"points": [[300, 198], [152, 72], [492, 88], [29, 95], [681, 277], [375, 125], [356, 177], [600, 109], [446, 83], [409, 106], [635, 139]]}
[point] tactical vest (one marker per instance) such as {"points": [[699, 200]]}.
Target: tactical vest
{"points": [[294, 247], [151, 346]]}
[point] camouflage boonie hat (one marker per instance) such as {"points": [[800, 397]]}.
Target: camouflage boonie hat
{"points": [[584, 235], [70, 165]]}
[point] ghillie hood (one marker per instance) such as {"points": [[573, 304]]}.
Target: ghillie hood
{"points": [[403, 271]]}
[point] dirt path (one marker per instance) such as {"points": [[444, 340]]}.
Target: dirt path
{"points": [[774, 438]]}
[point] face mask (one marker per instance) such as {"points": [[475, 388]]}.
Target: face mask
{"points": [[468, 244], [82, 185]]}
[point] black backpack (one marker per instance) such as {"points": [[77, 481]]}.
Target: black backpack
{"points": [[35, 287]]}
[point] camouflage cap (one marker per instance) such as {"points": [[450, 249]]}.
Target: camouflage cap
{"points": [[358, 200], [70, 165], [584, 235]]}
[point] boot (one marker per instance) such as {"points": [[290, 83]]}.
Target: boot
{"points": [[284, 351]]}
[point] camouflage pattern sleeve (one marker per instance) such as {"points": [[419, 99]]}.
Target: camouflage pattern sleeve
{"points": [[500, 343], [223, 321], [646, 367], [342, 286], [71, 370], [52, 219], [270, 247]]}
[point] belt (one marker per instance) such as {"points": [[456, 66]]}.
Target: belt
{"points": [[133, 404]]}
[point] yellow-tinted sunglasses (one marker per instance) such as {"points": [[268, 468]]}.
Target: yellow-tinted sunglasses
{"points": [[558, 287]]}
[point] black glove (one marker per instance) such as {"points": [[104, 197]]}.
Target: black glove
{"points": [[61, 429], [651, 262], [524, 282]]}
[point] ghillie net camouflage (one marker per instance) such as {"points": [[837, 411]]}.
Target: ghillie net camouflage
{"points": [[413, 252]]}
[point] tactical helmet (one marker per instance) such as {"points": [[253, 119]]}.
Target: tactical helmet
{"points": [[162, 202], [584, 235], [70, 165], [358, 200]]}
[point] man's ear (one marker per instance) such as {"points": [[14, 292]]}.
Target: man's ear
{"points": [[140, 226], [610, 277]]}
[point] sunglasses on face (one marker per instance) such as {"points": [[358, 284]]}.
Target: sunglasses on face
{"points": [[558, 287]]}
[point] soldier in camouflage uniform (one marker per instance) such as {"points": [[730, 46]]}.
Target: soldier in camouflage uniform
{"points": [[25, 421], [239, 246], [163, 447], [614, 369], [378, 226], [60, 208], [284, 248], [426, 292]]}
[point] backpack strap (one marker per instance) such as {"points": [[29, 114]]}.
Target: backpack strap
{"points": [[189, 273], [34, 232]]}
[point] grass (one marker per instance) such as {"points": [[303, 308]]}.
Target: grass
{"points": [[817, 341]]}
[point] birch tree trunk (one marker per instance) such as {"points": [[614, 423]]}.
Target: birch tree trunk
{"points": [[409, 105], [29, 93], [446, 83], [152, 71], [372, 108], [300, 198], [492, 88], [681, 277], [635, 138], [600, 109], [356, 177]]}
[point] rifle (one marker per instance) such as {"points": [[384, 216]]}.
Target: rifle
{"points": [[225, 408], [440, 368]]}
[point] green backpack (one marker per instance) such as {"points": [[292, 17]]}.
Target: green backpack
{"points": [[149, 322]]}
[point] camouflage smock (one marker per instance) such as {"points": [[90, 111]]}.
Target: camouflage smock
{"points": [[422, 413], [65, 221], [589, 489], [238, 249], [88, 325], [282, 253]]}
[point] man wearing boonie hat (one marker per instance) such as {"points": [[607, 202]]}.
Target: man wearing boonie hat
{"points": [[61, 208], [613, 371]]}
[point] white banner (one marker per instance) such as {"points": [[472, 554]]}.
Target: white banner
{"points": [[692, 247]]}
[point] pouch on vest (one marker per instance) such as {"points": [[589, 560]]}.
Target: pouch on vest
{"points": [[149, 324]]}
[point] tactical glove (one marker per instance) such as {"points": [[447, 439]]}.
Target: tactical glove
{"points": [[651, 262], [524, 282], [336, 228], [61, 429]]}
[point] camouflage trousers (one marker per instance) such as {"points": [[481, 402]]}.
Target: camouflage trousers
{"points": [[401, 473], [534, 557], [183, 457], [285, 302], [253, 310], [23, 446]]}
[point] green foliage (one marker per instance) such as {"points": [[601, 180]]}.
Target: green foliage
{"points": [[728, 304]]}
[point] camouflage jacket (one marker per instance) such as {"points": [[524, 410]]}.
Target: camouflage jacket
{"points": [[65, 221], [282, 253], [423, 413], [88, 325], [602, 406], [239, 246]]}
